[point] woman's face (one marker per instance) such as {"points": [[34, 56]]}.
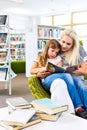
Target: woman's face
{"points": [[52, 53], [66, 43]]}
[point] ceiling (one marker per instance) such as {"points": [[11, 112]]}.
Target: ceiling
{"points": [[41, 7]]}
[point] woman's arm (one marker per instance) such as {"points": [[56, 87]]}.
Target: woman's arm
{"points": [[82, 70]]}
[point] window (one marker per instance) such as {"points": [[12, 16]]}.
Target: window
{"points": [[63, 19], [46, 20], [80, 17]]}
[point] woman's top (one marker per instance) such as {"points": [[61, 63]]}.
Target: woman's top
{"points": [[83, 57]]}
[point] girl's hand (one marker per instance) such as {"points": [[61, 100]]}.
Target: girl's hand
{"points": [[43, 74]]}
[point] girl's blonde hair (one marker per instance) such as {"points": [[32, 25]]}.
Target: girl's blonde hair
{"points": [[72, 56], [54, 44]]}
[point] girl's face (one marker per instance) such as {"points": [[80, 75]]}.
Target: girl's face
{"points": [[52, 53], [66, 43]]}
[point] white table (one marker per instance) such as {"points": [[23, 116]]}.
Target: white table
{"points": [[65, 122]]}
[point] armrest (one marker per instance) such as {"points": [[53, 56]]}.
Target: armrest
{"points": [[36, 88]]}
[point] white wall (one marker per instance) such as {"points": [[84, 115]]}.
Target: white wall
{"points": [[18, 22], [31, 43]]}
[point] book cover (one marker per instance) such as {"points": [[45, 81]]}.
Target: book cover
{"points": [[3, 73], [3, 19], [18, 102], [34, 120], [48, 117], [56, 69], [3, 38], [48, 106], [3, 56]]}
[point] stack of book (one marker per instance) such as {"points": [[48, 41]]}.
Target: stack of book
{"points": [[48, 109], [20, 114], [24, 114]]}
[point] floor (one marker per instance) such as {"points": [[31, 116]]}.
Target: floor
{"points": [[19, 88]]}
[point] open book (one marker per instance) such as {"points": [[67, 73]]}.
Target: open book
{"points": [[56, 69], [19, 119], [16, 126]]}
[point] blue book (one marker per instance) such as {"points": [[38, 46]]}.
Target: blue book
{"points": [[56, 69], [48, 106]]}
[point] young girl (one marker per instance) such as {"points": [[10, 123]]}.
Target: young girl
{"points": [[50, 53]]}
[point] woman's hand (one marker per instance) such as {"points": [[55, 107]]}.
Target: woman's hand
{"points": [[82, 70]]}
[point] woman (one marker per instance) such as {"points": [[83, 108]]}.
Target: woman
{"points": [[75, 85]]}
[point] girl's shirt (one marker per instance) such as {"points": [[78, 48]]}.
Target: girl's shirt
{"points": [[55, 60]]}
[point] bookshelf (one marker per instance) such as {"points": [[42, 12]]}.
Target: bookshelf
{"points": [[36, 38], [17, 47], [45, 33], [5, 61]]}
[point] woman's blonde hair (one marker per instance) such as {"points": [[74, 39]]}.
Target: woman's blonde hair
{"points": [[54, 44], [72, 56]]}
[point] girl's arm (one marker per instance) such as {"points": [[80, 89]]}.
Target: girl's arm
{"points": [[35, 69], [40, 72]]}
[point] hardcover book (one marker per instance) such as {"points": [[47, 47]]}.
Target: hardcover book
{"points": [[18, 102], [18, 122], [56, 69], [48, 106], [3, 38], [3, 19], [48, 117], [3, 55]]}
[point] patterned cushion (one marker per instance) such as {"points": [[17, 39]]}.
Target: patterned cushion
{"points": [[36, 88]]}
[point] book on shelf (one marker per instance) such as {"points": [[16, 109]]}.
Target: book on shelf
{"points": [[3, 19], [3, 73], [3, 55], [20, 119], [48, 117], [12, 74], [48, 106], [56, 69], [17, 103], [3, 38]]}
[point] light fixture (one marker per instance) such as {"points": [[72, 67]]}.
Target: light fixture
{"points": [[18, 1]]}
